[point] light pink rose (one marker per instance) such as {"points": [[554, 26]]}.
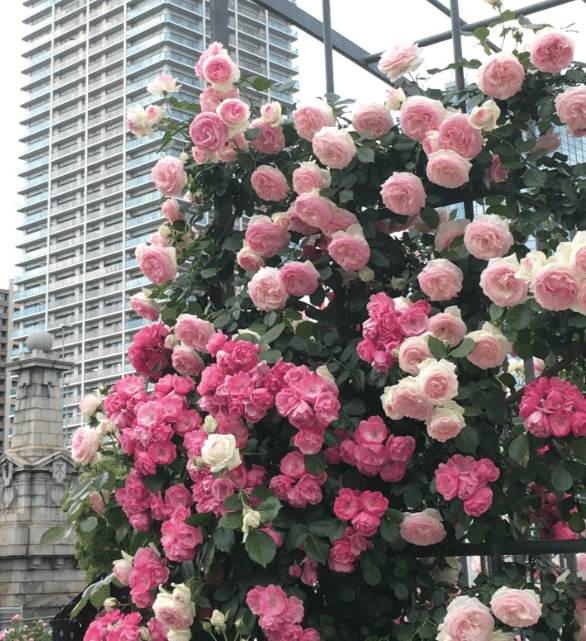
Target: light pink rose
{"points": [[138, 123], [485, 117], [264, 236], [448, 326], [552, 51], [309, 119], [456, 133], [145, 307], [89, 405], [266, 290], [517, 608], [448, 169], [211, 97], [314, 210], [423, 528], [423, 228], [186, 361], [431, 143], [438, 380], [154, 115], [163, 83], [501, 76], [272, 139], [549, 140], [446, 422], [234, 113], [571, 108], [491, 348], [349, 248], [467, 619], [555, 287], [271, 112], [496, 173], [208, 132], [300, 279], [308, 176], [440, 279], [488, 236], [395, 98], [158, 264], [213, 49], [406, 399], [193, 331], [85, 445], [169, 176], [334, 147], [403, 194], [372, 117], [220, 71], [171, 211], [249, 260], [201, 156], [448, 230], [500, 283], [412, 352], [269, 183], [420, 115], [399, 60]]}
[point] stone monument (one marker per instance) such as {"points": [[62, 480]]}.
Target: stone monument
{"points": [[36, 470]]}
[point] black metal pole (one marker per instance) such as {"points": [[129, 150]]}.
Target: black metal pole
{"points": [[219, 21], [457, 42], [327, 34]]}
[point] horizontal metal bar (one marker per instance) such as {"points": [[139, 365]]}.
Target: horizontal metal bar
{"points": [[511, 548]]}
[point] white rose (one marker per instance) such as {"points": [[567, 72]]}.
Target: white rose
{"points": [[250, 519], [179, 635], [219, 451]]}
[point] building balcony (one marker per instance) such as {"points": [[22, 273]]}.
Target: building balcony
{"points": [[27, 293], [33, 200], [104, 331], [33, 96], [102, 62], [26, 258], [72, 59], [28, 330], [68, 26], [35, 235], [34, 182], [29, 311], [69, 224], [62, 135], [70, 8], [154, 218], [34, 164], [32, 218], [33, 273]]}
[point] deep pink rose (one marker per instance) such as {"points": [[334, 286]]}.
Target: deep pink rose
{"points": [[266, 290], [347, 504], [269, 183], [447, 169], [419, 115], [334, 147], [555, 287], [372, 117], [403, 194], [496, 173], [571, 108], [208, 132], [456, 133], [479, 502], [422, 528], [400, 59], [500, 283], [501, 76], [552, 51], [158, 264], [440, 279], [169, 176], [488, 236], [309, 119], [300, 279]]}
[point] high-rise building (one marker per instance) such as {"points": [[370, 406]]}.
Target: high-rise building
{"points": [[6, 401], [88, 197]]}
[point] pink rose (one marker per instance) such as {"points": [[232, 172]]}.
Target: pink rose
{"points": [[266, 290], [234, 113], [158, 264], [269, 183], [423, 528], [264, 236], [349, 248], [448, 326], [208, 132], [438, 380], [406, 399], [145, 307], [496, 173], [555, 287], [447, 169], [479, 502], [347, 504], [446, 422], [171, 211], [571, 108], [491, 348], [334, 147], [456, 133], [467, 619], [372, 117], [552, 51], [220, 71], [501, 76], [399, 60], [549, 140], [300, 279], [430, 143], [488, 236], [517, 608], [485, 117], [395, 98], [213, 49], [314, 210], [500, 283], [169, 176], [448, 230], [403, 194], [419, 115], [193, 331], [440, 279], [272, 139], [249, 260], [309, 119], [412, 352], [186, 361], [309, 176], [210, 98], [85, 445]]}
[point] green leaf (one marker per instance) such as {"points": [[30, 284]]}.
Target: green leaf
{"points": [[260, 547], [205, 518], [401, 591], [122, 531], [337, 530], [99, 596], [464, 348], [365, 154], [481, 33], [87, 525], [321, 526], [270, 356], [261, 84], [315, 463], [223, 539], [354, 407], [52, 535], [389, 530], [576, 523], [372, 575], [467, 440], [233, 502], [436, 347], [305, 329], [579, 448], [272, 334], [231, 521], [296, 536], [519, 447], [316, 548], [269, 509], [430, 217], [519, 317], [535, 178], [561, 479]]}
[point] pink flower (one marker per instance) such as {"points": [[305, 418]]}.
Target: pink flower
{"points": [[193, 332], [403, 194], [571, 108], [372, 117], [500, 283], [447, 169], [440, 279], [211, 98], [220, 71], [448, 326], [501, 76], [145, 307], [313, 209], [349, 248], [267, 291], [85, 445], [456, 133], [423, 528], [395, 98], [265, 237], [446, 422], [234, 113], [419, 115], [488, 236], [347, 504], [399, 60], [555, 287], [467, 619], [517, 608], [309, 119], [272, 139], [158, 264], [552, 51], [308, 176], [249, 259], [171, 211], [496, 173], [208, 132], [163, 84], [491, 348], [186, 361], [406, 399], [448, 230], [269, 183], [479, 502], [438, 380], [213, 49], [169, 176], [412, 352], [334, 147], [89, 405], [485, 117], [300, 279]]}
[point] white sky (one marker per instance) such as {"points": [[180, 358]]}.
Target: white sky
{"points": [[376, 25]]}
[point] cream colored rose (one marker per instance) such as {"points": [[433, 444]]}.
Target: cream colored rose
{"points": [[250, 519], [219, 452], [485, 116]]}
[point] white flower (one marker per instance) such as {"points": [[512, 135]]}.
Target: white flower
{"points": [[219, 451], [250, 519], [210, 425]]}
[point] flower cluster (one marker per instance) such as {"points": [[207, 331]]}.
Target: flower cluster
{"points": [[143, 573], [363, 509], [295, 484], [346, 551], [149, 355]]}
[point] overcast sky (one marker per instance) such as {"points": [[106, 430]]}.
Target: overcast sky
{"points": [[372, 24]]}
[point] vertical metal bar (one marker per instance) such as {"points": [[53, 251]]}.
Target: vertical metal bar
{"points": [[327, 29], [495, 553], [457, 42], [219, 21]]}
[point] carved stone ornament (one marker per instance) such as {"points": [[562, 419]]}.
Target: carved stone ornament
{"points": [[59, 470], [7, 472]]}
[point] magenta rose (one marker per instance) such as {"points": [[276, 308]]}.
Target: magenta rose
{"points": [[169, 176], [448, 169], [264, 236], [440, 279], [334, 147], [269, 183], [571, 108], [517, 608], [555, 287], [420, 115], [350, 249], [372, 117], [403, 194], [266, 290], [400, 59], [467, 619], [496, 172], [501, 76], [500, 283], [488, 236], [423, 528], [300, 279], [158, 264], [552, 51], [479, 502], [193, 331], [309, 119], [208, 132]]}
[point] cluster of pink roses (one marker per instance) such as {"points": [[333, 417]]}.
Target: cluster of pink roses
{"points": [[363, 509], [279, 614], [547, 517], [552, 407], [144, 572], [346, 550], [113, 625], [295, 484], [466, 478], [149, 354]]}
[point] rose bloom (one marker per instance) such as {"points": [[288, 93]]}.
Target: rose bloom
{"points": [[448, 326], [555, 287], [456, 133], [372, 117], [208, 132], [496, 173], [220, 71], [249, 260], [403, 194], [271, 112], [485, 116], [395, 98], [264, 236], [488, 236], [420, 115], [145, 307], [171, 211], [440, 279], [412, 352], [571, 108], [491, 348], [551, 51], [467, 619], [446, 422], [423, 528], [300, 279], [406, 399], [438, 380], [186, 361], [500, 283], [193, 331], [350, 249], [309, 176], [517, 608], [158, 264], [448, 169], [85, 445], [272, 139], [334, 147], [169, 176], [309, 119], [266, 290], [234, 113], [501, 76], [162, 84], [448, 230], [431, 143], [211, 98], [219, 451], [399, 60], [89, 404], [269, 183]]}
